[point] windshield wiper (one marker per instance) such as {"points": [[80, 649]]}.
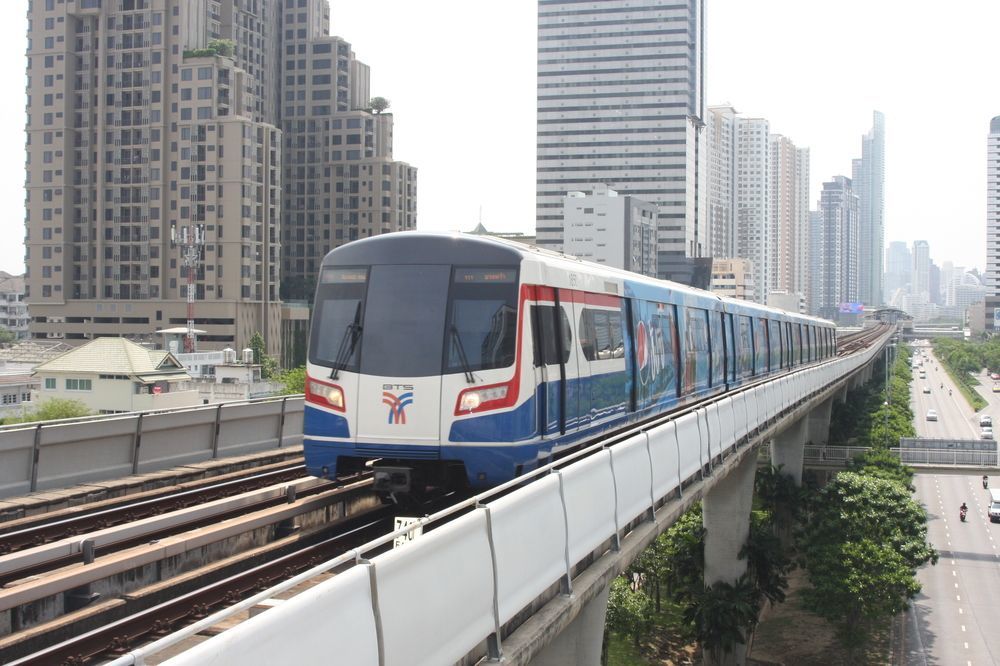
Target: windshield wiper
{"points": [[347, 344], [461, 355]]}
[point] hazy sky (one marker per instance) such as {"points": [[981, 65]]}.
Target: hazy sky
{"points": [[461, 79]]}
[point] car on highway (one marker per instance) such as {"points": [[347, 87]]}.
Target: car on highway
{"points": [[995, 376], [932, 415], [996, 388], [985, 421], [994, 510], [927, 389], [923, 375], [986, 433]]}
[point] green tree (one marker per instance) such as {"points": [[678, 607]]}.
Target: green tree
{"points": [[778, 494], [629, 610], [294, 380], [223, 47], [723, 615], [7, 336], [684, 548], [767, 563], [861, 548], [378, 104], [268, 365], [53, 408], [884, 464]]}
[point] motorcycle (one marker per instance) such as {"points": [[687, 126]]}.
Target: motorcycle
{"points": [[961, 514], [986, 482]]}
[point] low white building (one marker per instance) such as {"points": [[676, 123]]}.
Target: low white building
{"points": [[220, 376], [112, 375], [606, 228]]}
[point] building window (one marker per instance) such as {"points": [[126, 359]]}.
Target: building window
{"points": [[78, 384], [50, 383]]}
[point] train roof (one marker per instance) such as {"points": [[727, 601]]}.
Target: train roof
{"points": [[418, 247]]}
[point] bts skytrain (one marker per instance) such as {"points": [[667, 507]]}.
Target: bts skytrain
{"points": [[463, 361]]}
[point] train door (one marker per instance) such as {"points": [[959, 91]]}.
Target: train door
{"points": [[553, 336], [731, 355], [583, 349]]}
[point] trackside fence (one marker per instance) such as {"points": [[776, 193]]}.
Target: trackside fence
{"points": [[444, 596], [56, 454]]}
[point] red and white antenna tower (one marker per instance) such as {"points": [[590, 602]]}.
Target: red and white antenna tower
{"points": [[192, 239]]}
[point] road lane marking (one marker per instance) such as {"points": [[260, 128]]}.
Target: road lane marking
{"points": [[956, 586], [963, 627], [958, 598], [954, 573], [960, 611]]}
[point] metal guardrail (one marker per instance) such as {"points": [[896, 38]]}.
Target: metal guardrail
{"points": [[61, 453], [911, 456], [446, 596]]}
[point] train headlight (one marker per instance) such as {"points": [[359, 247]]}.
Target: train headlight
{"points": [[329, 395], [473, 399]]}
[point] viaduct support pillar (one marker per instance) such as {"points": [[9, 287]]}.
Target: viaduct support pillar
{"points": [[819, 423], [726, 517], [841, 395], [788, 449], [580, 642]]}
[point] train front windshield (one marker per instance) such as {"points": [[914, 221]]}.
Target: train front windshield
{"points": [[415, 320]]}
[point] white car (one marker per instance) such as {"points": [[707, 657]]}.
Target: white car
{"points": [[985, 421], [927, 389], [986, 433], [932, 415]]}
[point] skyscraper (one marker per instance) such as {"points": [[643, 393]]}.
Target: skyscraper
{"points": [[154, 124], [620, 102], [898, 269], [921, 286], [789, 196], [992, 276], [753, 203], [340, 181], [835, 274], [869, 185], [722, 180]]}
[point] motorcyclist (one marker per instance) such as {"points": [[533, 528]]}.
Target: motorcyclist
{"points": [[962, 511], [986, 481]]}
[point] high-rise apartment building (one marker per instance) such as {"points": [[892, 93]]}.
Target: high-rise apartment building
{"points": [[758, 201], [992, 276], [869, 184], [620, 102], [753, 203], [835, 272], [340, 181], [721, 127], [789, 210], [151, 122]]}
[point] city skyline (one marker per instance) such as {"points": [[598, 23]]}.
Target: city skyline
{"points": [[742, 69]]}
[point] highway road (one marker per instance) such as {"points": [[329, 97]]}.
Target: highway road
{"points": [[956, 420], [954, 618]]}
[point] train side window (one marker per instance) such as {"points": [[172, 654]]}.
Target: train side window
{"points": [[545, 339], [601, 334], [746, 346]]}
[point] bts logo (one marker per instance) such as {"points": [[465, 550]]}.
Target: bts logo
{"points": [[397, 405]]}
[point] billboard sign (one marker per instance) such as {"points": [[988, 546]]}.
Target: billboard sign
{"points": [[852, 308], [996, 318]]}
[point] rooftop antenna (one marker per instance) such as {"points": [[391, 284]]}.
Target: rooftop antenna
{"points": [[192, 239]]}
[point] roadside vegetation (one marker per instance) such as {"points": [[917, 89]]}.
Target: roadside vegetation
{"points": [[964, 359], [48, 410], [857, 542]]}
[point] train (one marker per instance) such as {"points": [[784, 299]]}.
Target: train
{"points": [[447, 360]]}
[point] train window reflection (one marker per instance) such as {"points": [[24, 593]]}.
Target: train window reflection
{"points": [[482, 320]]}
